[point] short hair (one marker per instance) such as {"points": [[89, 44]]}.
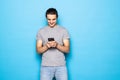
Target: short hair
{"points": [[52, 11]]}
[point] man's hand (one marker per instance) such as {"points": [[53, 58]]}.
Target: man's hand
{"points": [[51, 44]]}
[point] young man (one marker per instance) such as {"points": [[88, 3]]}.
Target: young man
{"points": [[53, 43]]}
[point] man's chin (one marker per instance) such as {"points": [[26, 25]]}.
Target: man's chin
{"points": [[51, 25]]}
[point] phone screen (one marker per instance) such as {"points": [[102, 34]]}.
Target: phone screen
{"points": [[50, 39]]}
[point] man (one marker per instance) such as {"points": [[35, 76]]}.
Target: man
{"points": [[53, 43]]}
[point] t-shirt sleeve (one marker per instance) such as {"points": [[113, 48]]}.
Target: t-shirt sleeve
{"points": [[38, 36], [66, 35]]}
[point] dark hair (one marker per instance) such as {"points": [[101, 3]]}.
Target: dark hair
{"points": [[52, 11]]}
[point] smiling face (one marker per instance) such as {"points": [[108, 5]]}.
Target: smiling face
{"points": [[52, 20]]}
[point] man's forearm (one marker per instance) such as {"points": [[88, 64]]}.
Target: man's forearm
{"points": [[64, 49], [42, 49]]}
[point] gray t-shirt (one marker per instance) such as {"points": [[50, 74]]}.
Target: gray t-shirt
{"points": [[53, 57]]}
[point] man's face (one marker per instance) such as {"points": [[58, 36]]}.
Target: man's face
{"points": [[52, 19]]}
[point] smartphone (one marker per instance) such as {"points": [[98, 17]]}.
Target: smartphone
{"points": [[50, 39]]}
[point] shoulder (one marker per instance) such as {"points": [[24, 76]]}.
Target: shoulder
{"points": [[62, 28], [42, 29]]}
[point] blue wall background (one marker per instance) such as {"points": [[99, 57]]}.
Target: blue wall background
{"points": [[94, 27]]}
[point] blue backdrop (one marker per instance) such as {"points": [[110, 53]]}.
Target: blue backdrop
{"points": [[94, 27]]}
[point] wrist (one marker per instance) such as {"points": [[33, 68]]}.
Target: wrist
{"points": [[46, 46], [57, 45]]}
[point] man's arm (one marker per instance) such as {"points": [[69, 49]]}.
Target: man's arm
{"points": [[40, 48], [64, 48]]}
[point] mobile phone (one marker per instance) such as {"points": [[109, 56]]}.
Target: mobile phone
{"points": [[50, 39]]}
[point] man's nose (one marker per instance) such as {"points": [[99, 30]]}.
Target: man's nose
{"points": [[51, 21]]}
